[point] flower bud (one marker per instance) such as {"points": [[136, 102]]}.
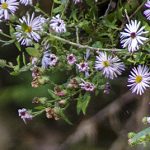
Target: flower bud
{"points": [[62, 102], [43, 80]]}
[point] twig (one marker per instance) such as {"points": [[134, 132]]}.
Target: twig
{"points": [[108, 8], [86, 46], [77, 35], [127, 16], [8, 36], [137, 9]]}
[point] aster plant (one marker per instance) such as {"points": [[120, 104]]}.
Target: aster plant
{"points": [[91, 49]]}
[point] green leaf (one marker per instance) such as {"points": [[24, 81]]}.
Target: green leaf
{"points": [[33, 52], [52, 94], [24, 68], [97, 44], [79, 104], [39, 107], [2, 63], [57, 1], [18, 45], [18, 62], [24, 59], [86, 101], [85, 25], [58, 9], [14, 73], [11, 30], [82, 103], [63, 116], [141, 135]]}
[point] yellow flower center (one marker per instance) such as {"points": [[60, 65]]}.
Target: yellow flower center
{"points": [[106, 63], [4, 5], [138, 79], [28, 29]]}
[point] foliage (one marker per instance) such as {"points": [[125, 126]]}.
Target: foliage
{"points": [[72, 39]]}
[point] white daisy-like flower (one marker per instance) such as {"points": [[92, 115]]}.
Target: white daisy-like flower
{"points": [[25, 115], [110, 66], [132, 36], [57, 24], [83, 67], [77, 1], [29, 29], [26, 2], [87, 86], [49, 59], [139, 79], [8, 7], [147, 12]]}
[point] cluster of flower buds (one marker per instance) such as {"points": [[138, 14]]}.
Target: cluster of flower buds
{"points": [[107, 88], [59, 92], [35, 75], [51, 113], [39, 100], [87, 86], [73, 83]]}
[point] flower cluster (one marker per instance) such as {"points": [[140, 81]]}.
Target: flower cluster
{"points": [[53, 44]]}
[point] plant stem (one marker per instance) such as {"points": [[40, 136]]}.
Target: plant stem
{"points": [[2, 33], [85, 46]]}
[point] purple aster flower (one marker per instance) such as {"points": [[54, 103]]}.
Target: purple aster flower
{"points": [[87, 86], [49, 59], [83, 67], [147, 12], [71, 59], [57, 24], [25, 115]]}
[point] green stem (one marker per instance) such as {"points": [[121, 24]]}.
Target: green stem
{"points": [[8, 36], [38, 113], [65, 8]]}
